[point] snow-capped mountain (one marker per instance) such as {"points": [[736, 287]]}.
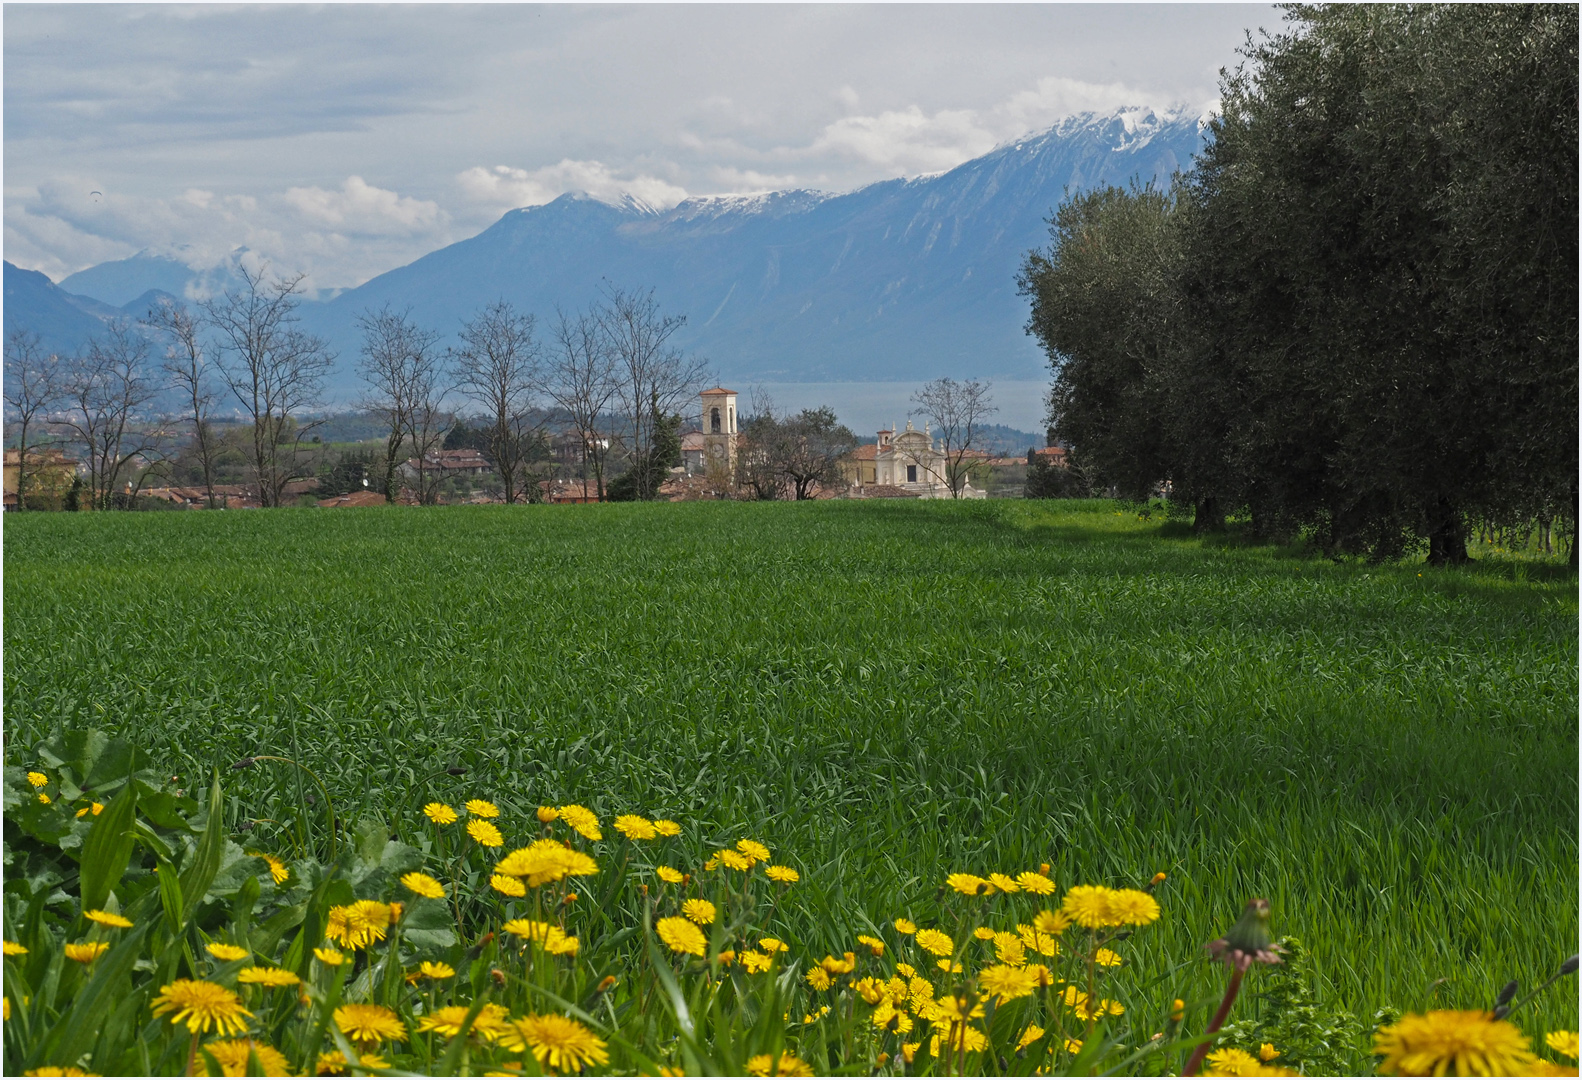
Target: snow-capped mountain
{"points": [[904, 279]]}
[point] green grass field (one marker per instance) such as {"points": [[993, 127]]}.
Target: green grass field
{"points": [[883, 692]]}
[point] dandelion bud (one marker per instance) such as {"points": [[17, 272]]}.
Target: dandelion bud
{"points": [[1043, 868], [571, 898], [1570, 966], [498, 976], [1506, 994], [605, 984], [546, 814], [1157, 879], [1177, 1011], [1249, 941], [686, 879], [644, 887], [455, 770]]}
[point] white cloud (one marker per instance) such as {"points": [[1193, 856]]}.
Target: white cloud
{"points": [[360, 207], [506, 187], [749, 181], [338, 237], [907, 140]]}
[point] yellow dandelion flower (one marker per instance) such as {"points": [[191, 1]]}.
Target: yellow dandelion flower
{"points": [[5, 1008], [1006, 983], [553, 939], [935, 941], [773, 945], [783, 874], [682, 935], [482, 808], [844, 966], [232, 1056], [37, 779], [1037, 940], [905, 926], [201, 1005], [1073, 1046], [583, 820], [491, 1022], [12, 948], [484, 833], [1459, 1042], [332, 957], [755, 962], [874, 945], [359, 924], [1029, 1037], [1267, 1052], [1004, 883], [699, 911], [561, 1043], [1008, 949], [1132, 907], [983, 933], [818, 978], [786, 1065], [431, 970], [1107, 958], [635, 827], [734, 860], [333, 1063], [969, 884], [1035, 883], [871, 990], [85, 952], [278, 871], [94, 808], [1088, 906], [1563, 1043], [665, 827], [222, 951], [753, 850], [1042, 974], [675, 877], [105, 918], [508, 886], [440, 814], [1231, 1062], [45, 799], [1051, 922], [58, 1070], [267, 976], [423, 885], [369, 1023], [548, 814]]}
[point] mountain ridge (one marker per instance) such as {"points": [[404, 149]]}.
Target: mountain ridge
{"points": [[908, 278]]}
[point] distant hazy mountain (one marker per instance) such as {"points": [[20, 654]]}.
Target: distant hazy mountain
{"points": [[899, 280], [64, 322], [124, 280]]}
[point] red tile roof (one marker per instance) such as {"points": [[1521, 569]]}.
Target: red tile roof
{"points": [[719, 390]]}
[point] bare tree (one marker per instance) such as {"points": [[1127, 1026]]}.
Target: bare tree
{"points": [[957, 410], [497, 367], [814, 443], [654, 378], [399, 362], [582, 378], [32, 388], [759, 451], [190, 377], [428, 422], [106, 390], [273, 369]]}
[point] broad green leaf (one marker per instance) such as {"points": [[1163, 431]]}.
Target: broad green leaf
{"points": [[108, 849]]}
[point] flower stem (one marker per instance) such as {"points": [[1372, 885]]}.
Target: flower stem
{"points": [[1196, 1060]]}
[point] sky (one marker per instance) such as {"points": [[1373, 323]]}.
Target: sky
{"points": [[346, 140]]}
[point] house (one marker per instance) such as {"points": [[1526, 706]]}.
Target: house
{"points": [[355, 498], [1054, 455], [49, 474], [576, 490], [448, 463], [910, 461]]}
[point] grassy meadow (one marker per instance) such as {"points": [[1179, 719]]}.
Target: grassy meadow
{"points": [[882, 692]]}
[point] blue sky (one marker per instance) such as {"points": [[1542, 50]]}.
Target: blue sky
{"points": [[345, 140]]}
